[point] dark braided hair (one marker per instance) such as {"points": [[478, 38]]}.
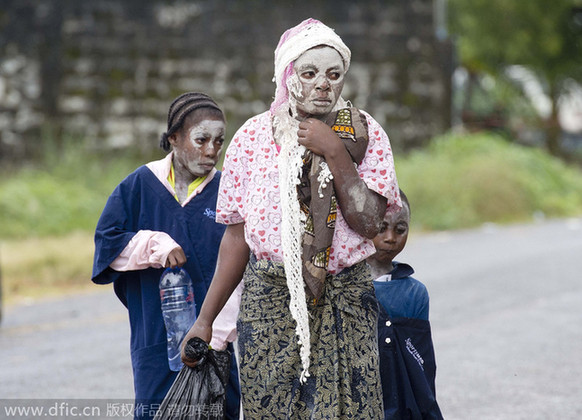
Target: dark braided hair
{"points": [[179, 110]]}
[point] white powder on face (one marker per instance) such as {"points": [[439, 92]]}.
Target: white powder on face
{"points": [[315, 69], [201, 148], [212, 129]]}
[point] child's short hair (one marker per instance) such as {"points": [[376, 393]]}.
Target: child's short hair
{"points": [[404, 200]]}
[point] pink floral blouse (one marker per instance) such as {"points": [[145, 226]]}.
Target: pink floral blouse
{"points": [[249, 191]]}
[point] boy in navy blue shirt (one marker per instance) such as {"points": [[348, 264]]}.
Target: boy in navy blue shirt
{"points": [[407, 362]]}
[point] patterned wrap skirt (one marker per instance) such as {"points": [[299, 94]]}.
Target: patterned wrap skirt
{"points": [[344, 381]]}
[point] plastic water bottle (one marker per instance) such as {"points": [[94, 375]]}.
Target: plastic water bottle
{"points": [[178, 310]]}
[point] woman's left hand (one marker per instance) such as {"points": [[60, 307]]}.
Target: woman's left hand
{"points": [[317, 136]]}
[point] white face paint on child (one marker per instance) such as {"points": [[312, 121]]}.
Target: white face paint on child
{"points": [[198, 145], [321, 73]]}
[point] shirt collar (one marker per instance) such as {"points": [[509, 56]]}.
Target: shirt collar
{"points": [[401, 270], [162, 169]]}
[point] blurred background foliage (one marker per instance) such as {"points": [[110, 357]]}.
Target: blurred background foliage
{"points": [[48, 213], [526, 48], [466, 180], [458, 181], [507, 158]]}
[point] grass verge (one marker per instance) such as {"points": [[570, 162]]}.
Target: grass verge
{"points": [[35, 268], [463, 181], [48, 212]]}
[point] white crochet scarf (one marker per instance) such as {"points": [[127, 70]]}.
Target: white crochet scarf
{"points": [[294, 42]]}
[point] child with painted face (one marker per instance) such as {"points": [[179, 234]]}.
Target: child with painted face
{"points": [[407, 361], [163, 215], [304, 189]]}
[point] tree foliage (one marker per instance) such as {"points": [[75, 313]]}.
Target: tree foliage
{"points": [[545, 37]]}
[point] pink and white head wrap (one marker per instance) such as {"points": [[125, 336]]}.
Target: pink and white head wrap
{"points": [[294, 42]]}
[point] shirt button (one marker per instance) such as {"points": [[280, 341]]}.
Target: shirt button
{"points": [[388, 323], [387, 340]]}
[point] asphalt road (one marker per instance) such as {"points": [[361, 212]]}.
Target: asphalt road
{"points": [[506, 314]]}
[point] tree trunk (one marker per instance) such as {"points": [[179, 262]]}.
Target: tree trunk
{"points": [[553, 129], [467, 115]]}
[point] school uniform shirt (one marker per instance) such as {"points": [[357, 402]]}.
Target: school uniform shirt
{"points": [[407, 360], [142, 203]]}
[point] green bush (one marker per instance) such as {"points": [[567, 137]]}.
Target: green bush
{"points": [[65, 192], [48, 211], [459, 181], [462, 181]]}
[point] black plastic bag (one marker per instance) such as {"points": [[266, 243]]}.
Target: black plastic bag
{"points": [[200, 392]]}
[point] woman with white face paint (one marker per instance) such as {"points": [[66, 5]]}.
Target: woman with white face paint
{"points": [[163, 215], [304, 190]]}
